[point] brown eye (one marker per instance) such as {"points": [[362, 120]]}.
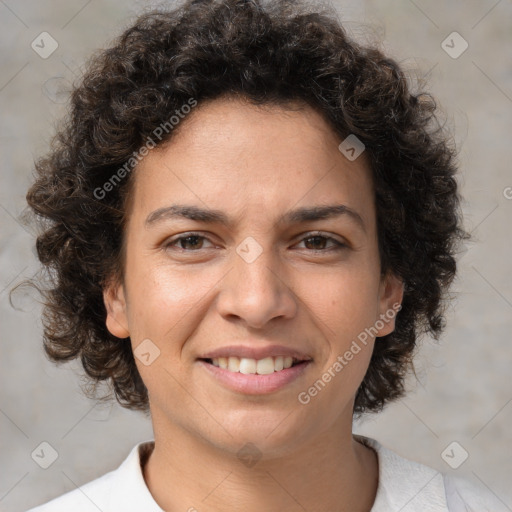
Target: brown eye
{"points": [[190, 242], [318, 242]]}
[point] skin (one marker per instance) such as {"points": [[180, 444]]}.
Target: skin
{"points": [[190, 297]]}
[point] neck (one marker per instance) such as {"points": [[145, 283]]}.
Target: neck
{"points": [[330, 472]]}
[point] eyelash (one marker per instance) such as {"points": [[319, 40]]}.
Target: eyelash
{"points": [[338, 245]]}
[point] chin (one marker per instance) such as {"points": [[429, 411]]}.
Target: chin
{"points": [[271, 434]]}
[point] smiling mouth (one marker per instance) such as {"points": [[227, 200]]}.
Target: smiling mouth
{"points": [[250, 366]]}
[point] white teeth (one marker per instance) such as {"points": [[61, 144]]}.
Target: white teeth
{"points": [[265, 366], [233, 364], [246, 365]]}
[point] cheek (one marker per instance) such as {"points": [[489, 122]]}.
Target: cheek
{"points": [[165, 308], [345, 309], [166, 303], [345, 301], [345, 305]]}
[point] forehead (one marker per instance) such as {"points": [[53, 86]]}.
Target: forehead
{"points": [[233, 156]]}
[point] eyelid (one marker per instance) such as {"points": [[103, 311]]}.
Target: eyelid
{"points": [[182, 236], [328, 236]]}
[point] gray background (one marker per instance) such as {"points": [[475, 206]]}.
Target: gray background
{"points": [[463, 392]]}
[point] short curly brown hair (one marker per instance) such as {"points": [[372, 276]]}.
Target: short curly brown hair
{"points": [[270, 53]]}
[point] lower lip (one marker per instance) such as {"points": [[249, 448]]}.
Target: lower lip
{"points": [[254, 384]]}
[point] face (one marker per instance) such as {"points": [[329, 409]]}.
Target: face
{"points": [[252, 280]]}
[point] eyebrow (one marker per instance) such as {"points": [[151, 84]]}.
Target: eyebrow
{"points": [[297, 216]]}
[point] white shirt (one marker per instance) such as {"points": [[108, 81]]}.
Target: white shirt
{"points": [[404, 486]]}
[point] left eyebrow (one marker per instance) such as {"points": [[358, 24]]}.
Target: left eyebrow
{"points": [[297, 216], [315, 213]]}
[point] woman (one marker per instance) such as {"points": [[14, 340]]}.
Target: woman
{"points": [[252, 221]]}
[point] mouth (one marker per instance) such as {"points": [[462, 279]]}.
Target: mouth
{"points": [[255, 376], [249, 366]]}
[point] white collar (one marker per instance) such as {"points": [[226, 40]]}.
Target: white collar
{"points": [[405, 485], [131, 494]]}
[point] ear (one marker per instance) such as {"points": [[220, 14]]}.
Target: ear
{"points": [[115, 303], [391, 292]]}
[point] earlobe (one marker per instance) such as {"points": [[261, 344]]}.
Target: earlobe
{"points": [[391, 296], [115, 304]]}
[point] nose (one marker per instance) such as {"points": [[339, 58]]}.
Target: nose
{"points": [[257, 291]]}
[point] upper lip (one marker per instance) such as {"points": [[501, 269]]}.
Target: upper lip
{"points": [[252, 352]]}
